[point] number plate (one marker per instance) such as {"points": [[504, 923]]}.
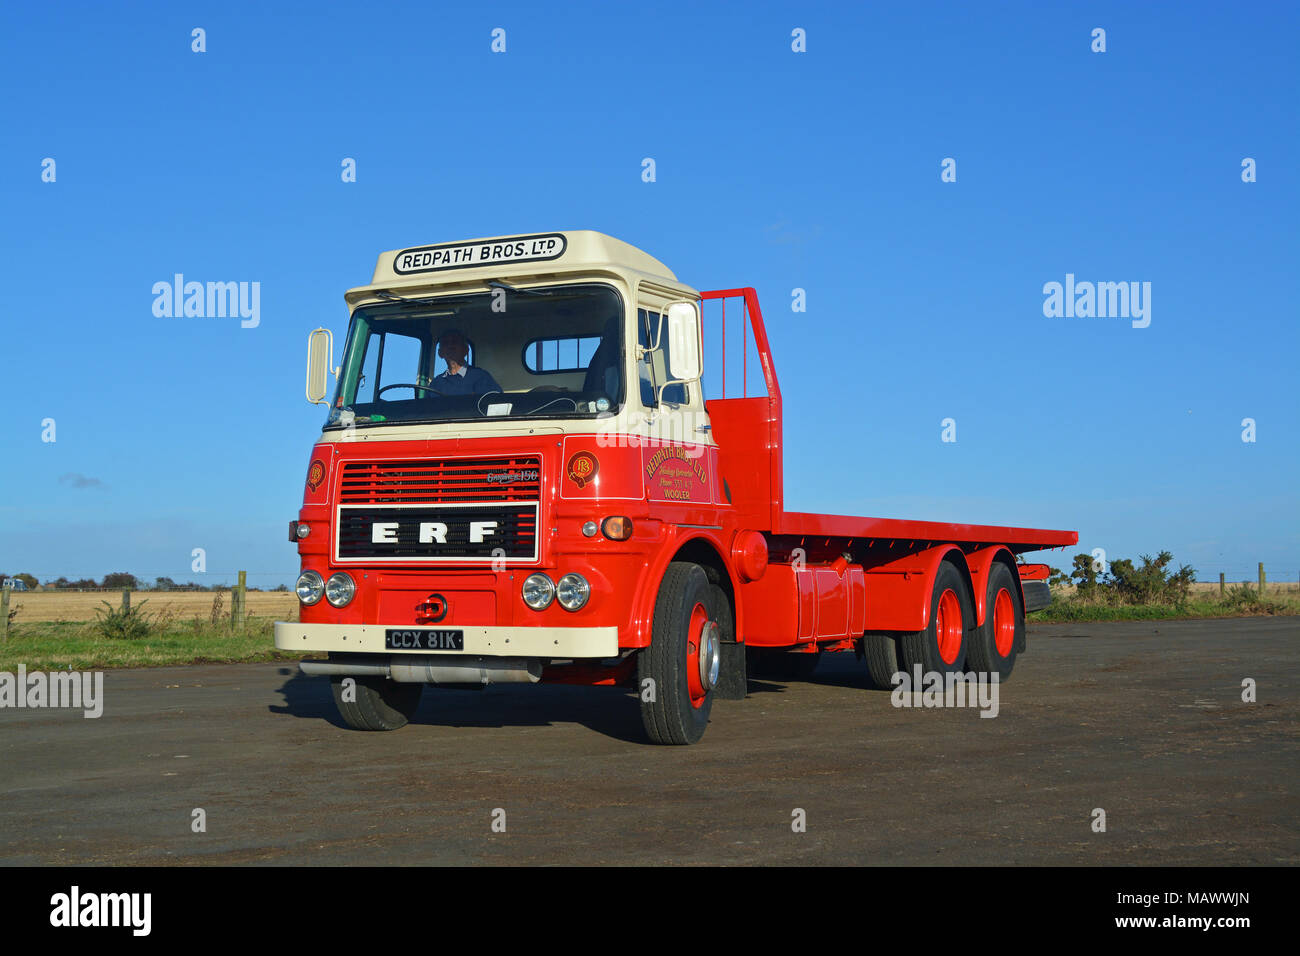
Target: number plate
{"points": [[423, 639]]}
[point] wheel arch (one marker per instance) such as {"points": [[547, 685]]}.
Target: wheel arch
{"points": [[702, 549], [980, 566], [899, 591]]}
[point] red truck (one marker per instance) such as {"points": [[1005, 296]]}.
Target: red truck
{"points": [[520, 479]]}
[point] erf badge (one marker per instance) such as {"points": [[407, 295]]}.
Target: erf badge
{"points": [[582, 468], [315, 475]]}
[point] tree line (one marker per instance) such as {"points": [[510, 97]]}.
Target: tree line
{"points": [[124, 580]]}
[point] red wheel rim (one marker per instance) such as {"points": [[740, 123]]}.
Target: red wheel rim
{"points": [[948, 626], [694, 640], [1004, 622]]}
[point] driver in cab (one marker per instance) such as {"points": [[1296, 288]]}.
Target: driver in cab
{"points": [[460, 378]]}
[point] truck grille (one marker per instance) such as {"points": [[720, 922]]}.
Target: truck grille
{"points": [[446, 532], [441, 481]]}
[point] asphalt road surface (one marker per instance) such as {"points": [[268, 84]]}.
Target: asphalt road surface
{"points": [[1142, 720]]}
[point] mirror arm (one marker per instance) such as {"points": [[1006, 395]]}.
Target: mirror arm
{"points": [[659, 331], [659, 392]]}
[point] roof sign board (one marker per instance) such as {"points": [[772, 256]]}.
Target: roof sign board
{"points": [[465, 255]]}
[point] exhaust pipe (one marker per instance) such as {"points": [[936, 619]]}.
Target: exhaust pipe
{"points": [[444, 669], [434, 669], [330, 668]]}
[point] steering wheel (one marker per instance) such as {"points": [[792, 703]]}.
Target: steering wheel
{"points": [[418, 388]]}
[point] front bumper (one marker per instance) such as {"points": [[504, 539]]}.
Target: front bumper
{"points": [[546, 642]]}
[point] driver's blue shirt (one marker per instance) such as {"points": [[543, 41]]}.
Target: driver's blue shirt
{"points": [[470, 380]]}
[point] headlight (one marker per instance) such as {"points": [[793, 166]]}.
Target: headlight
{"points": [[302, 530], [310, 587], [538, 591], [339, 589], [572, 592]]}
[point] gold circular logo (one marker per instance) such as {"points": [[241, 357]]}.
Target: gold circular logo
{"points": [[315, 474], [582, 468]]}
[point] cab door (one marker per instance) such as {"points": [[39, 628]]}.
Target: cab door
{"points": [[678, 457]]}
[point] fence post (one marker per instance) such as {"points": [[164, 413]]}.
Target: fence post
{"points": [[237, 603], [1220, 584], [126, 600], [1261, 579], [4, 614]]}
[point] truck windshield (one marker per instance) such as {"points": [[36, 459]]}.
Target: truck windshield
{"points": [[553, 352]]}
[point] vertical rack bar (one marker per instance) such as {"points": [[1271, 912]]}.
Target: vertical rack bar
{"points": [[724, 346]]}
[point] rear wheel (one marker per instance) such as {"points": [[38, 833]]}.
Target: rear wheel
{"points": [[676, 674], [941, 647], [880, 651], [993, 646], [375, 703]]}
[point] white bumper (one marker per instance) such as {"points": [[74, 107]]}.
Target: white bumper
{"points": [[553, 642]]}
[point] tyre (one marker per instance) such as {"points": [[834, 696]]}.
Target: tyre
{"points": [[941, 647], [880, 651], [781, 665], [376, 703], [994, 645], [682, 663]]}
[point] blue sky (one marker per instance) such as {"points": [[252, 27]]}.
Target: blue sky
{"points": [[816, 170]]}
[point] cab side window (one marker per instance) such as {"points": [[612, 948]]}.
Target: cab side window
{"points": [[653, 369], [571, 353]]}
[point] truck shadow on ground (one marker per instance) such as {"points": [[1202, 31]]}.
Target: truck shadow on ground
{"points": [[610, 711], [307, 697], [841, 670]]}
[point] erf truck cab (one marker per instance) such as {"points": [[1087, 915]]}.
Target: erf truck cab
{"points": [[522, 479]]}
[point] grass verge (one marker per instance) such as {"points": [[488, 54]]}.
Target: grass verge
{"points": [[82, 646], [1240, 602]]}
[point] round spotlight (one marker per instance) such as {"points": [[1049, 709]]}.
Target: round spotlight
{"points": [[572, 592], [310, 587], [340, 589], [303, 529], [590, 528], [539, 591]]}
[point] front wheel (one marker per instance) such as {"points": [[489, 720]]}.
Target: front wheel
{"points": [[677, 673], [375, 703]]}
